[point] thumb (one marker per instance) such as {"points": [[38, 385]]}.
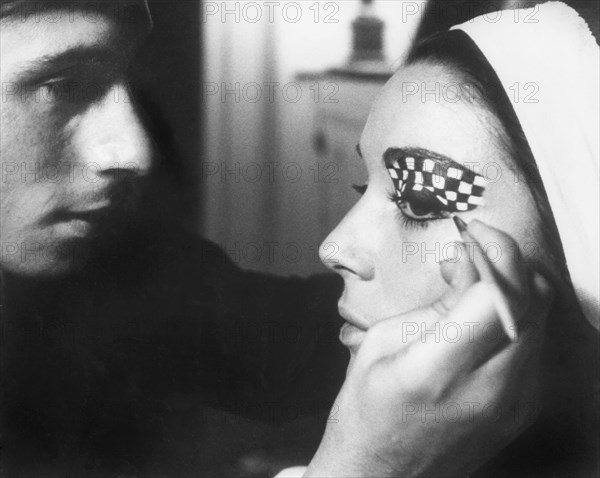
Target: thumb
{"points": [[460, 273]]}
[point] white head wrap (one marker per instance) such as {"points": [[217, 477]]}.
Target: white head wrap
{"points": [[548, 62]]}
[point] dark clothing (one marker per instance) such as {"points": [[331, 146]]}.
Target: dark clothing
{"points": [[101, 371], [162, 358]]}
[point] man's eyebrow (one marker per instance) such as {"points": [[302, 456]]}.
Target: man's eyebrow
{"points": [[393, 154], [90, 56]]}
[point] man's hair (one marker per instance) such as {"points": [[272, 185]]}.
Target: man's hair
{"points": [[10, 8], [24, 8]]}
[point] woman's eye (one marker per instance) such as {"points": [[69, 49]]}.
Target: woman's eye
{"points": [[420, 206], [417, 211]]}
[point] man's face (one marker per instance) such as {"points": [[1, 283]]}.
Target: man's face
{"points": [[71, 144]]}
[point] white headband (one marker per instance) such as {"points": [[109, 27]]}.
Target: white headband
{"points": [[548, 62]]}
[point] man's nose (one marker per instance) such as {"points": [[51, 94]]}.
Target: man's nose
{"points": [[346, 249], [110, 135]]}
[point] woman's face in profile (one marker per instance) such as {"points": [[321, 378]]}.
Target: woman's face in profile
{"points": [[390, 244]]}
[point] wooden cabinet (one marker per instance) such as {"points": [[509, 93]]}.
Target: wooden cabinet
{"points": [[322, 140], [338, 128]]}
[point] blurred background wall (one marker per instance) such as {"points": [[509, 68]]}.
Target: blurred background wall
{"points": [[275, 178], [256, 132], [283, 112], [256, 120]]}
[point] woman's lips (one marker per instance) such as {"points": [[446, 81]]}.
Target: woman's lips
{"points": [[353, 331], [351, 336], [351, 317]]}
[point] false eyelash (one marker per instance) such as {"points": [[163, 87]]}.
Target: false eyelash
{"points": [[409, 222], [360, 189]]}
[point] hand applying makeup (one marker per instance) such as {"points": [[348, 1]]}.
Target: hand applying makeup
{"points": [[382, 428], [487, 274]]}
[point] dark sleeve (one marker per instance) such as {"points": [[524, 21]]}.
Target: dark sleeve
{"points": [[280, 336], [248, 342]]}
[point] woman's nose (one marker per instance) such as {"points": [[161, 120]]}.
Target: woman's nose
{"points": [[111, 136], [346, 249]]}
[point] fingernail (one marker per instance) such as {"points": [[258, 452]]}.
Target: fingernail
{"points": [[460, 224]]}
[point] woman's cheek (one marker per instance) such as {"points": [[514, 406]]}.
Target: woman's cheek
{"points": [[411, 273]]}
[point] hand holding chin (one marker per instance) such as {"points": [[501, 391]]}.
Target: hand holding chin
{"points": [[439, 390]]}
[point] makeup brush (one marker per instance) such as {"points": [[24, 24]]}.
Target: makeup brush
{"points": [[487, 275]]}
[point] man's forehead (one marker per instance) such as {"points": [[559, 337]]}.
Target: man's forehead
{"points": [[31, 42], [122, 10]]}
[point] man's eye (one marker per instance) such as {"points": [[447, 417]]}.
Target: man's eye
{"points": [[58, 89], [73, 90]]}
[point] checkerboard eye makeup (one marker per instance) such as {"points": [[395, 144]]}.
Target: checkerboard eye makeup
{"points": [[456, 188], [429, 186]]}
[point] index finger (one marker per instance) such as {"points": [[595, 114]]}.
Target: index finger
{"points": [[468, 336]]}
